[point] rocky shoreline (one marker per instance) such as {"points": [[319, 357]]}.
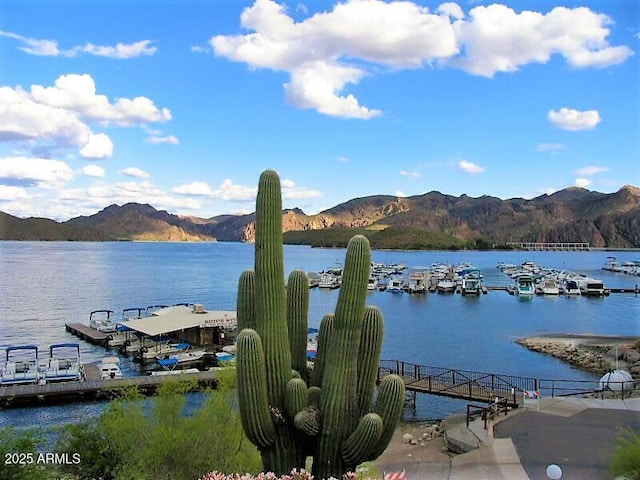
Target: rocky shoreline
{"points": [[595, 353]]}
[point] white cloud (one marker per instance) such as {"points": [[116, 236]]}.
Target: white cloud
{"points": [[343, 159], [400, 193], [194, 188], [62, 116], [199, 49], [590, 171], [40, 172], [315, 51], [574, 120], [408, 174], [49, 48], [550, 147], [10, 193], [97, 196], [93, 171], [582, 182], [469, 167], [497, 39], [135, 172], [22, 118], [451, 9], [230, 191], [299, 193], [170, 139], [329, 50], [77, 93], [548, 191], [98, 146], [121, 50]]}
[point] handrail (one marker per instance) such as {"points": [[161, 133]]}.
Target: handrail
{"points": [[488, 411], [440, 380]]}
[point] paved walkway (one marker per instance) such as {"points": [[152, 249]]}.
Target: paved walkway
{"points": [[576, 434]]}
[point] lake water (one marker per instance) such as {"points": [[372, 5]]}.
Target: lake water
{"points": [[43, 285]]}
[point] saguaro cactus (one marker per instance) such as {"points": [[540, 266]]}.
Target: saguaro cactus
{"points": [[286, 411]]}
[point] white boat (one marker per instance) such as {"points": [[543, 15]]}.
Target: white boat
{"points": [[174, 372], [446, 285], [102, 320], [20, 365], [150, 352], [65, 366], [110, 368], [329, 280], [612, 265], [592, 287], [472, 283], [372, 284], [549, 286], [524, 285], [183, 356], [395, 284], [418, 280], [571, 288]]}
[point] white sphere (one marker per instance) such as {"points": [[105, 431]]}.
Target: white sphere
{"points": [[554, 472]]}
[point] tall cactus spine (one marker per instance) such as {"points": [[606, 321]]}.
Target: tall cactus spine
{"points": [[270, 292], [264, 363], [339, 382], [297, 308]]}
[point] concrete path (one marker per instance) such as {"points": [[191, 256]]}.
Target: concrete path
{"points": [[576, 434]]}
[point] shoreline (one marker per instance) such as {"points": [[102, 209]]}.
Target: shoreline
{"points": [[595, 353]]}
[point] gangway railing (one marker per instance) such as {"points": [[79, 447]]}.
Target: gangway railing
{"points": [[485, 387]]}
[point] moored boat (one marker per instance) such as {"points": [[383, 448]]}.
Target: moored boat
{"points": [[110, 368], [549, 286], [571, 288], [184, 355], [65, 366], [395, 284], [472, 283], [524, 285], [20, 365]]}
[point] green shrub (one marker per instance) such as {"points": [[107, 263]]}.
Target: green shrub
{"points": [[625, 460]]}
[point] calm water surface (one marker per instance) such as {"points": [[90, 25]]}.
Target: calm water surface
{"points": [[45, 284]]}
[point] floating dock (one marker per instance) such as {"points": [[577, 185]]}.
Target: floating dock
{"points": [[88, 334], [94, 388]]}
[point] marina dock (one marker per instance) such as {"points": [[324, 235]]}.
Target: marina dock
{"points": [[93, 388], [88, 334]]}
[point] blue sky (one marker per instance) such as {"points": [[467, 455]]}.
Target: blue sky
{"points": [[181, 104]]}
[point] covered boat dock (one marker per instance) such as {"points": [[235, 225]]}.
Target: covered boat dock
{"points": [[191, 324]]}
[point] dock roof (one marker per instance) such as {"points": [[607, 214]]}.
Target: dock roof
{"points": [[172, 319]]}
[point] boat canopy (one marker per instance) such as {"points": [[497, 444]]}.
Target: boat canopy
{"points": [[21, 347], [63, 345], [176, 318], [168, 362]]}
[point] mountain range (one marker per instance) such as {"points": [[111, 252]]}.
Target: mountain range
{"points": [[431, 220]]}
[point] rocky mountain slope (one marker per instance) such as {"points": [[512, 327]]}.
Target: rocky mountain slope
{"points": [[570, 215]]}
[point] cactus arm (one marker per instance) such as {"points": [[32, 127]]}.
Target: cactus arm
{"points": [[314, 395], [368, 355], [326, 328], [252, 391], [358, 446], [339, 404], [296, 397], [297, 308], [307, 421], [389, 406], [270, 291], [245, 306]]}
